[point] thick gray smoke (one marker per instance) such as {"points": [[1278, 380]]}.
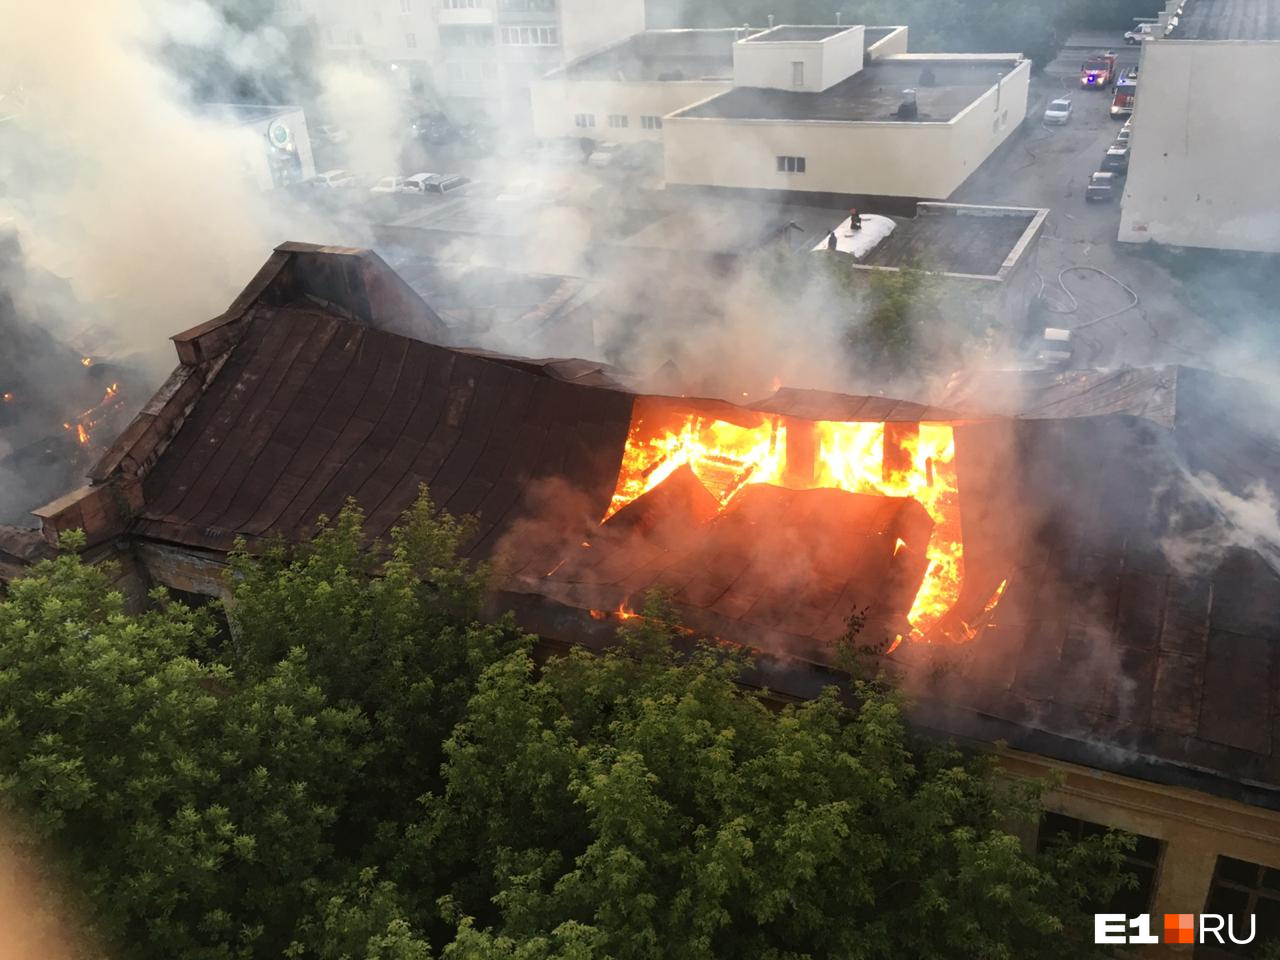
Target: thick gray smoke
{"points": [[114, 180]]}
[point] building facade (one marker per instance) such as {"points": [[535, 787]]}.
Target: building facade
{"points": [[906, 125], [624, 91], [470, 54], [1199, 174]]}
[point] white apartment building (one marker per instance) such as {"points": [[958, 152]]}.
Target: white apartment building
{"points": [[812, 109], [470, 53], [623, 91], [1205, 130]]}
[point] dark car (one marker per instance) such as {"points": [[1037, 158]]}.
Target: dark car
{"points": [[1101, 186], [434, 128], [1116, 160]]}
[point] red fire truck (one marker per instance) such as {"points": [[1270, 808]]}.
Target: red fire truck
{"points": [[1122, 103], [1099, 71]]}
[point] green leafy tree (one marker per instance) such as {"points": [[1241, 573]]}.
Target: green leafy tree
{"points": [[644, 804], [366, 769]]}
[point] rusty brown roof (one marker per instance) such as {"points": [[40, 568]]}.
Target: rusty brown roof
{"points": [[310, 410]]}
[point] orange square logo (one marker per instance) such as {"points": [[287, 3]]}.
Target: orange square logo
{"points": [[1179, 928]]}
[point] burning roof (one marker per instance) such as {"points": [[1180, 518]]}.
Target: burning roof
{"points": [[1028, 557]]}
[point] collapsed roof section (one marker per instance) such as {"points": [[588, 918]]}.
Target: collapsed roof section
{"points": [[1092, 640]]}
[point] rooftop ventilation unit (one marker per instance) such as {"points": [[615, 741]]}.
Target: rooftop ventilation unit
{"points": [[908, 109]]}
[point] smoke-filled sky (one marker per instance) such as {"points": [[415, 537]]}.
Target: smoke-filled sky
{"points": [[115, 181]]}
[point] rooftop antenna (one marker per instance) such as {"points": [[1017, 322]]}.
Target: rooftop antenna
{"points": [[771, 21]]}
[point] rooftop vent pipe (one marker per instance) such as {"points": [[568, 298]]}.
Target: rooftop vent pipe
{"points": [[771, 21], [908, 109]]}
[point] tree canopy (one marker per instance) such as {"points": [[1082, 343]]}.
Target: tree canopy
{"points": [[361, 767]]}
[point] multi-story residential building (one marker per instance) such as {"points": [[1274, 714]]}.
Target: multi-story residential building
{"points": [[481, 54]]}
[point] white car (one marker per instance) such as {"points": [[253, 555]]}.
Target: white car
{"points": [[1144, 31], [434, 182], [604, 154], [1059, 111], [388, 185], [334, 179]]}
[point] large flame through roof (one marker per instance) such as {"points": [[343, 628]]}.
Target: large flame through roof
{"points": [[896, 460]]}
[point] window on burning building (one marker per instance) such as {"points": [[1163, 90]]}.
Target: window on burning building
{"points": [[618, 120], [651, 123], [1143, 861], [791, 164], [584, 120], [1239, 889]]}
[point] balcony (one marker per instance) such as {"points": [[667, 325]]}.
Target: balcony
{"points": [[464, 16]]}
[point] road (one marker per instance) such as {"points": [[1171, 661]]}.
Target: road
{"points": [[1049, 167]]}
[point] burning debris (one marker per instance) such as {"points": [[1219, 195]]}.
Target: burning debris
{"points": [[702, 459]]}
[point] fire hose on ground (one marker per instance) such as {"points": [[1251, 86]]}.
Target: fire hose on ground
{"points": [[1074, 307]]}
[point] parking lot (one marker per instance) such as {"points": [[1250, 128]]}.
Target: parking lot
{"points": [[1049, 166]]}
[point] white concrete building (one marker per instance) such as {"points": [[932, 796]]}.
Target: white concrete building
{"points": [[623, 91], [470, 53], [807, 114], [1206, 131]]}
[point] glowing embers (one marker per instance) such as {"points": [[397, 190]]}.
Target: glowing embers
{"points": [[727, 457]]}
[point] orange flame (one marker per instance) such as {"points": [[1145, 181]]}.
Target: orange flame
{"points": [[8, 398], [81, 433], [847, 456], [86, 361]]}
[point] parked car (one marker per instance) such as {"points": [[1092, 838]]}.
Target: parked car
{"points": [[332, 133], [1101, 186], [388, 185], [604, 154], [1058, 112], [1122, 138], [333, 180], [434, 182], [1143, 31], [1056, 347], [434, 128], [1116, 160]]}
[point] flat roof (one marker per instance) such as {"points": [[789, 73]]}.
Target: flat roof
{"points": [[791, 34], [1229, 20], [733, 226], [673, 55], [874, 93], [662, 55], [953, 239]]}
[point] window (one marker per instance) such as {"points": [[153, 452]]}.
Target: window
{"points": [[1241, 888], [797, 73], [791, 164], [455, 4], [406, 6], [618, 120], [530, 36], [411, 40], [651, 123], [584, 120], [466, 36], [1142, 862], [529, 6]]}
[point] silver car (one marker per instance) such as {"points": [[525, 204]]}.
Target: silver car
{"points": [[1058, 112]]}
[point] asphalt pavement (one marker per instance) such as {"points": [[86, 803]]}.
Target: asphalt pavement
{"points": [[1049, 166]]}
